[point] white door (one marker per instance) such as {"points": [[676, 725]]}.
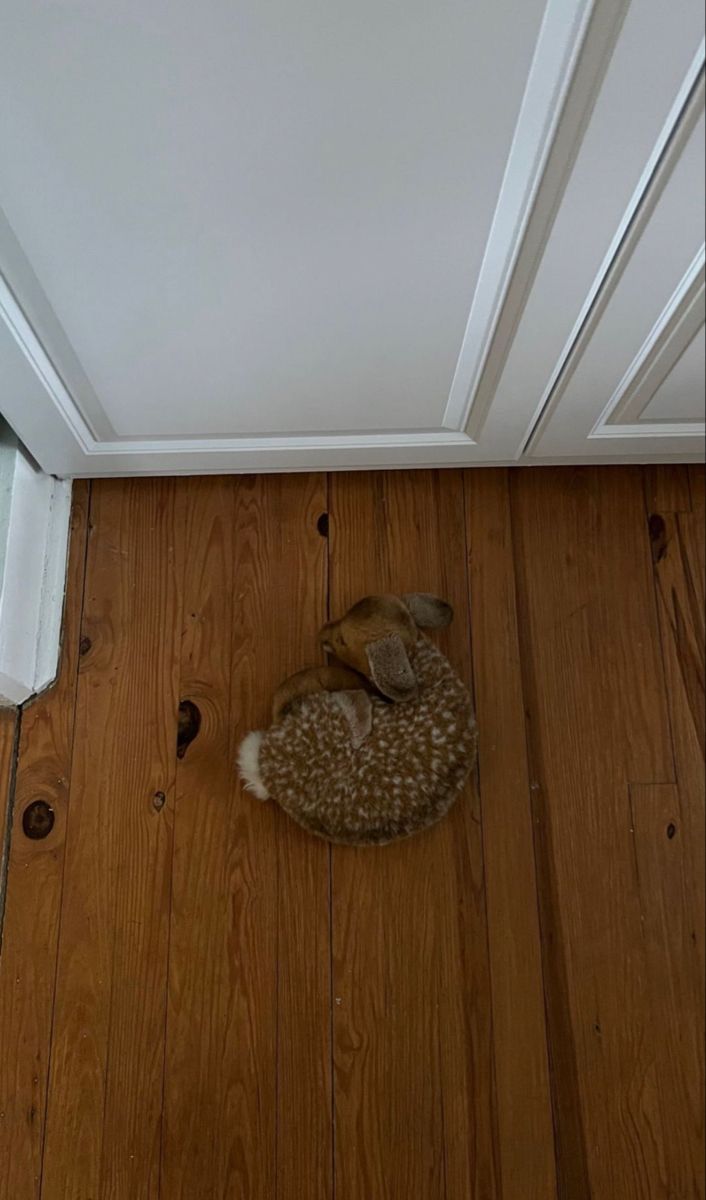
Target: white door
{"points": [[303, 235], [635, 378]]}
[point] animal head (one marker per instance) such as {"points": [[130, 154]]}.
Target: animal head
{"points": [[376, 635]]}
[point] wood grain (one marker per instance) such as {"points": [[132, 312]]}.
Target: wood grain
{"points": [[597, 721], [304, 1158], [9, 725], [247, 1081], [677, 542], [105, 1087], [197, 1000], [199, 963], [33, 897], [414, 1093], [697, 488], [667, 488], [674, 978], [525, 1134]]}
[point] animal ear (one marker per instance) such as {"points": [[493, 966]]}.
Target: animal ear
{"points": [[357, 709], [390, 669], [429, 611]]}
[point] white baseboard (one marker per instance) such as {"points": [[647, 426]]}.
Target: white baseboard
{"points": [[33, 580]]}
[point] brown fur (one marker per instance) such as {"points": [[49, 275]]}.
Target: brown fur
{"points": [[350, 766], [310, 680], [367, 622]]}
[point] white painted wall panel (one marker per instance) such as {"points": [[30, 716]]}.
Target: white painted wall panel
{"points": [[681, 396], [34, 530], [645, 76], [260, 218], [282, 237], [666, 263]]}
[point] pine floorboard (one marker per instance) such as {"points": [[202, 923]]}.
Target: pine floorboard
{"points": [[199, 1002]]}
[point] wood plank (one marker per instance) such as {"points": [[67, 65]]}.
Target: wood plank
{"points": [[677, 543], [9, 725], [33, 896], [414, 1094], [674, 977], [424, 1106], [280, 622], [697, 488], [667, 488], [526, 1138], [199, 962], [247, 1081], [105, 1086], [597, 722]]}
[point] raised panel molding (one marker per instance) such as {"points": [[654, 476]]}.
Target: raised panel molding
{"points": [[33, 324], [83, 453], [673, 332], [573, 52], [573, 48], [35, 532], [70, 434], [44, 369], [685, 112], [619, 419], [681, 394]]}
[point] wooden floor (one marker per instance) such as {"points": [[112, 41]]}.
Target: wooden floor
{"points": [[199, 1001]]}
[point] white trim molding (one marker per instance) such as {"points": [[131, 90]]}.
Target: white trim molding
{"points": [[41, 364], [553, 65], [514, 365], [672, 333], [678, 127], [38, 398], [33, 581], [574, 48], [656, 182]]}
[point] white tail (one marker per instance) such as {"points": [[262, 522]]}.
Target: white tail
{"points": [[249, 764]]}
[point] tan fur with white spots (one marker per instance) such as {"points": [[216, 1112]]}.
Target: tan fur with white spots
{"points": [[360, 777]]}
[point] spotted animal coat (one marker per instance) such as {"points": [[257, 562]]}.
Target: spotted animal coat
{"points": [[404, 775]]}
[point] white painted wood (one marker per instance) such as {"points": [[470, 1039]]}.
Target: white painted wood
{"points": [[28, 297], [652, 72], [663, 349], [642, 323], [680, 396], [260, 256], [32, 581], [53, 585], [669, 142], [553, 69], [276, 227]]}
